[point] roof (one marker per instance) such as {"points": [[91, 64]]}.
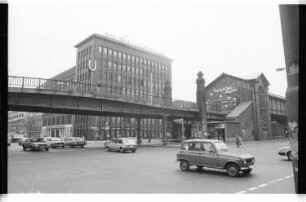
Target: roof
{"points": [[124, 43], [239, 109], [277, 96], [251, 76], [203, 140], [243, 78]]}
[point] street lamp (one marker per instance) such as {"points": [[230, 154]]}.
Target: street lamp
{"points": [[280, 69]]}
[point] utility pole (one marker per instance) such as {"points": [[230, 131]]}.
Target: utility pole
{"points": [[201, 103], [289, 17]]}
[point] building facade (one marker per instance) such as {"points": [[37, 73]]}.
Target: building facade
{"points": [[116, 69], [58, 125], [246, 101], [112, 68], [24, 124]]}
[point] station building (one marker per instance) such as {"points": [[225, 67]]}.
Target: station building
{"points": [[246, 107]]}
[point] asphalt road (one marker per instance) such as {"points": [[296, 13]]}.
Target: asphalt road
{"points": [[149, 170]]}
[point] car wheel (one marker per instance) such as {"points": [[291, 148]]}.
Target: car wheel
{"points": [[134, 151], [121, 150], [107, 149], [47, 149], [82, 146], [232, 170], [247, 171], [289, 156], [184, 165], [24, 148]]}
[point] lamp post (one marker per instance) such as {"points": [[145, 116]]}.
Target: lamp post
{"points": [[289, 17]]}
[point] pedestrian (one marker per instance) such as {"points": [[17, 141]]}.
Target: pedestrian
{"points": [[220, 138], [238, 141]]}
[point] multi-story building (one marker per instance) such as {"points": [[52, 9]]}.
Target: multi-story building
{"points": [[17, 124], [34, 124], [24, 124], [115, 69], [112, 68]]}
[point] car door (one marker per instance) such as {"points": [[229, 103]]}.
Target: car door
{"points": [[192, 154], [208, 155], [114, 144]]}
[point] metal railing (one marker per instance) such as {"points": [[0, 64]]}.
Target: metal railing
{"points": [[102, 91]]}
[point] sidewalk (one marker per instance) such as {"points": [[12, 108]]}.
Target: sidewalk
{"points": [[159, 143]]}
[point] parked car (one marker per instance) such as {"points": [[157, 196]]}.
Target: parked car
{"points": [[122, 145], [55, 142], [21, 140], [285, 151], [74, 142], [212, 153], [35, 144]]}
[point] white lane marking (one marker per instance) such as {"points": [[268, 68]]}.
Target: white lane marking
{"points": [[252, 188], [242, 192], [264, 185]]}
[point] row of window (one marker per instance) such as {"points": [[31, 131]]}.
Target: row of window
{"points": [[109, 53], [118, 79], [112, 120], [59, 120]]}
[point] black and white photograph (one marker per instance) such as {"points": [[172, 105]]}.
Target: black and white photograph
{"points": [[152, 98]]}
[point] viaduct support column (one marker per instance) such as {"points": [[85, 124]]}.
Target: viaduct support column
{"points": [[201, 104], [289, 15], [138, 127], [165, 125]]}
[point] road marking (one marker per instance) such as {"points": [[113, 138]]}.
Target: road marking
{"points": [[252, 188], [241, 192], [263, 185]]}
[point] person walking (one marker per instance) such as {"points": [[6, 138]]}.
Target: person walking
{"points": [[238, 141]]}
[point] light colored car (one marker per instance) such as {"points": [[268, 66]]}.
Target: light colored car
{"points": [[35, 144], [74, 142], [215, 154], [21, 140], [122, 145], [286, 151], [55, 142]]}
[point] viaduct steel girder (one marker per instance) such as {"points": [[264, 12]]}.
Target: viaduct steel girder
{"points": [[72, 103]]}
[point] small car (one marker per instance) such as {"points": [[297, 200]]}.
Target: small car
{"points": [[54, 142], [74, 142], [122, 145], [286, 151], [21, 140], [35, 144], [212, 153]]}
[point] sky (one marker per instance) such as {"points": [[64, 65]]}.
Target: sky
{"points": [[235, 38]]}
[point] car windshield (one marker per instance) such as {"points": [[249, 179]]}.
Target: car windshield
{"points": [[221, 146], [129, 141], [38, 140]]}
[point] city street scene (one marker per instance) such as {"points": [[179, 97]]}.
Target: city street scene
{"points": [[205, 102]]}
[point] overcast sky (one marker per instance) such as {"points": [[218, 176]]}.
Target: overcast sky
{"points": [[238, 39]]}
